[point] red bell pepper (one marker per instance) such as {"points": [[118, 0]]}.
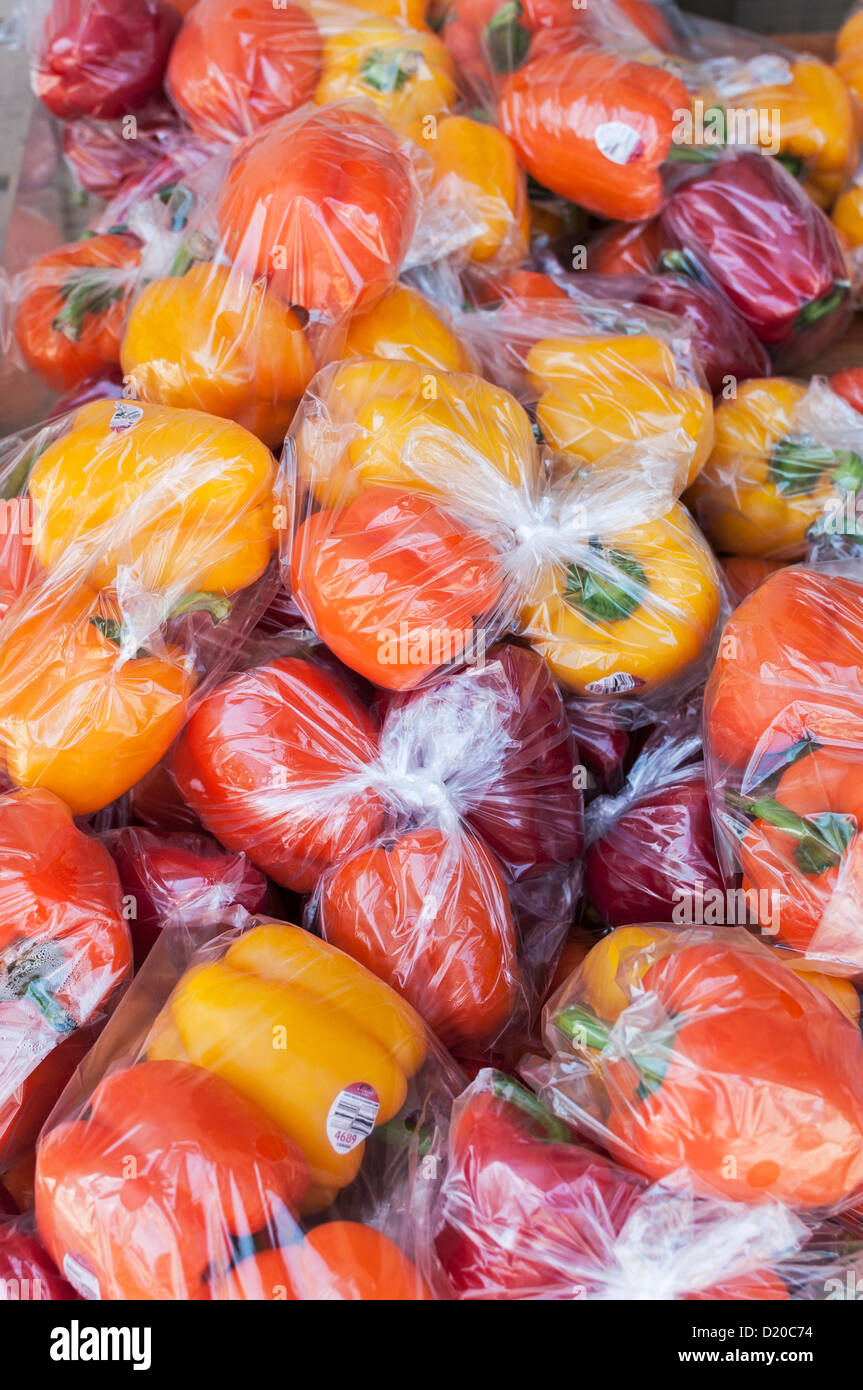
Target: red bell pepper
{"points": [[27, 1272], [102, 58]]}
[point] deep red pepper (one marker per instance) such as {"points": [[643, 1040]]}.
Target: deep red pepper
{"points": [[724, 341], [27, 1272]]}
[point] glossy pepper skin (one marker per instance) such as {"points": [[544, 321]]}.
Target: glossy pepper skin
{"points": [[26, 1266], [212, 340], [522, 1204], [102, 59], [454, 962], [476, 164], [239, 64], [794, 293], [767, 480], [393, 565], [593, 128], [812, 117], [148, 1193], [789, 671], [69, 320], [64, 951], [78, 717], [339, 1261], [599, 394], [753, 1082], [405, 326], [199, 489], [636, 610], [343, 1034], [267, 761], [725, 343], [406, 73], [323, 206]]}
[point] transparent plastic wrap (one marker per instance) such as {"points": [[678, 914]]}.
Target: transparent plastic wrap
{"points": [[147, 539], [126, 163], [788, 457], [242, 1129], [65, 953], [849, 51], [744, 224], [700, 1049], [783, 732], [650, 851], [62, 317], [526, 1212], [99, 58], [601, 376], [440, 524], [27, 1272], [427, 838], [167, 876]]}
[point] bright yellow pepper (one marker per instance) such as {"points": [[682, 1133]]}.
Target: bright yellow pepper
{"points": [[631, 613], [849, 53], [212, 340], [304, 1031], [766, 482], [596, 394], [812, 117], [329, 15], [404, 326], [847, 215], [183, 498], [476, 164], [414, 426], [407, 73]]}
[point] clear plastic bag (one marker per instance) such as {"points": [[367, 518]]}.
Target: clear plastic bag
{"points": [[440, 525], [703, 1049], [151, 536], [243, 1130], [783, 725], [27, 1272]]}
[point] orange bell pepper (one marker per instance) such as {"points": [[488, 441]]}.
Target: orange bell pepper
{"points": [[336, 1262], [476, 165]]}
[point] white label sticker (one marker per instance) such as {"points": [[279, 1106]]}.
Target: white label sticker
{"points": [[81, 1276], [125, 416], [618, 141], [352, 1116], [616, 684]]}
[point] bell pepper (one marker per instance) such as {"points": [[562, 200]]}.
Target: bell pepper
{"points": [[802, 848], [322, 205], [742, 574], [395, 586], [406, 73], [624, 249], [413, 427], [184, 497], [64, 951], [273, 763], [69, 319], [745, 225], [237, 66], [150, 1193], [19, 568], [211, 340], [847, 216], [849, 53], [167, 877], [630, 612], [340, 1261], [101, 60], [593, 128], [724, 343], [26, 1267], [407, 327], [811, 116], [742, 1074], [428, 912], [78, 715], [789, 672], [767, 480], [324, 1048], [475, 166], [599, 394], [849, 385]]}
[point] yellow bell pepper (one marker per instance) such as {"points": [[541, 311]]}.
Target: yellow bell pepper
{"points": [[329, 15], [847, 215], [404, 326], [407, 73], [632, 613], [443, 423], [183, 498], [212, 340], [596, 394], [324, 1047], [849, 53], [766, 482], [815, 120], [475, 164]]}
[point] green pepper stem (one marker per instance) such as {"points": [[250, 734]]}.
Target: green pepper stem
{"points": [[506, 1088], [218, 607], [86, 294], [819, 846], [819, 308]]}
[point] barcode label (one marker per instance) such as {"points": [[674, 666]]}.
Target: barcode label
{"points": [[616, 684], [352, 1116], [125, 416], [618, 141], [81, 1277]]}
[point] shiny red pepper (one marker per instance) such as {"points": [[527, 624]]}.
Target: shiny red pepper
{"points": [[102, 58]]}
